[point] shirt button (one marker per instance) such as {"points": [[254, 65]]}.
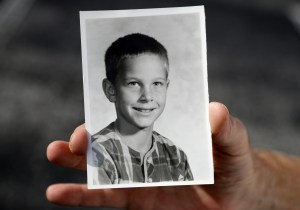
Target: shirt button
{"points": [[150, 180]]}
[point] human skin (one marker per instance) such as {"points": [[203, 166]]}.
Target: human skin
{"points": [[139, 92], [244, 179]]}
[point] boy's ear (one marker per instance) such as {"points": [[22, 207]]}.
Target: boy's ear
{"points": [[168, 82], [109, 90]]}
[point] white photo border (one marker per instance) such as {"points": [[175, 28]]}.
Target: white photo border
{"points": [[89, 112]]}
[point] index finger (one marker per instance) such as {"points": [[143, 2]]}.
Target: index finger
{"points": [[70, 154], [79, 195], [78, 141]]}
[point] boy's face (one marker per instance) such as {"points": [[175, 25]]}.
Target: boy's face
{"points": [[141, 88]]}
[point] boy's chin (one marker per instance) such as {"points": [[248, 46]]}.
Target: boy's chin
{"points": [[144, 125]]}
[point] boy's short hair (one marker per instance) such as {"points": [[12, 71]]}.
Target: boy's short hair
{"points": [[129, 46]]}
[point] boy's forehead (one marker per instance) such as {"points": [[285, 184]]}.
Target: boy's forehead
{"points": [[144, 63]]}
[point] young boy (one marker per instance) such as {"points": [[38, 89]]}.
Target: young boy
{"points": [[128, 150]]}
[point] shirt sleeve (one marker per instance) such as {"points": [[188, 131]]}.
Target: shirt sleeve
{"points": [[188, 175]]}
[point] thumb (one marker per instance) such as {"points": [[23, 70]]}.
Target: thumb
{"points": [[229, 135], [232, 154]]}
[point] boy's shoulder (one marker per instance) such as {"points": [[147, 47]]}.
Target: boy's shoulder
{"points": [[165, 142], [173, 153], [162, 139], [105, 134]]}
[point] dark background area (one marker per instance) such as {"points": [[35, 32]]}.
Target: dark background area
{"points": [[253, 68]]}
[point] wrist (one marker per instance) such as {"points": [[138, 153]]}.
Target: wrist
{"points": [[263, 183], [275, 183], [255, 191]]}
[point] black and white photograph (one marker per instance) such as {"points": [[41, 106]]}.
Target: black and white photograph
{"points": [[146, 97], [114, 94]]}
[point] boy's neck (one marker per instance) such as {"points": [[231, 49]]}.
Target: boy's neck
{"points": [[136, 138]]}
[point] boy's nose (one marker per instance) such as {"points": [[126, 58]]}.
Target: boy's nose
{"points": [[146, 95]]}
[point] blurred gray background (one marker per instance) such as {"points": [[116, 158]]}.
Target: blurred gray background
{"points": [[253, 68]]}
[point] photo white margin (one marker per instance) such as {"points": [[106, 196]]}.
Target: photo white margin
{"points": [[86, 15]]}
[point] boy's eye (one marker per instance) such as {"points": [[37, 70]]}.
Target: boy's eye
{"points": [[158, 84], [133, 84]]}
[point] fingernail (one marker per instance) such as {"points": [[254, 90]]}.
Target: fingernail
{"points": [[70, 143], [72, 136]]}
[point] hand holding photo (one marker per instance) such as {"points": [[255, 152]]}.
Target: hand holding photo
{"points": [[139, 57]]}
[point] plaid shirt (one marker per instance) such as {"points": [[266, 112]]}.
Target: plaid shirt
{"points": [[115, 162]]}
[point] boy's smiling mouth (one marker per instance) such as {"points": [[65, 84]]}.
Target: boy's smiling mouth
{"points": [[143, 110]]}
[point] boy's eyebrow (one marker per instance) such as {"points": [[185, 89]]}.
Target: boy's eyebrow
{"points": [[136, 78]]}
